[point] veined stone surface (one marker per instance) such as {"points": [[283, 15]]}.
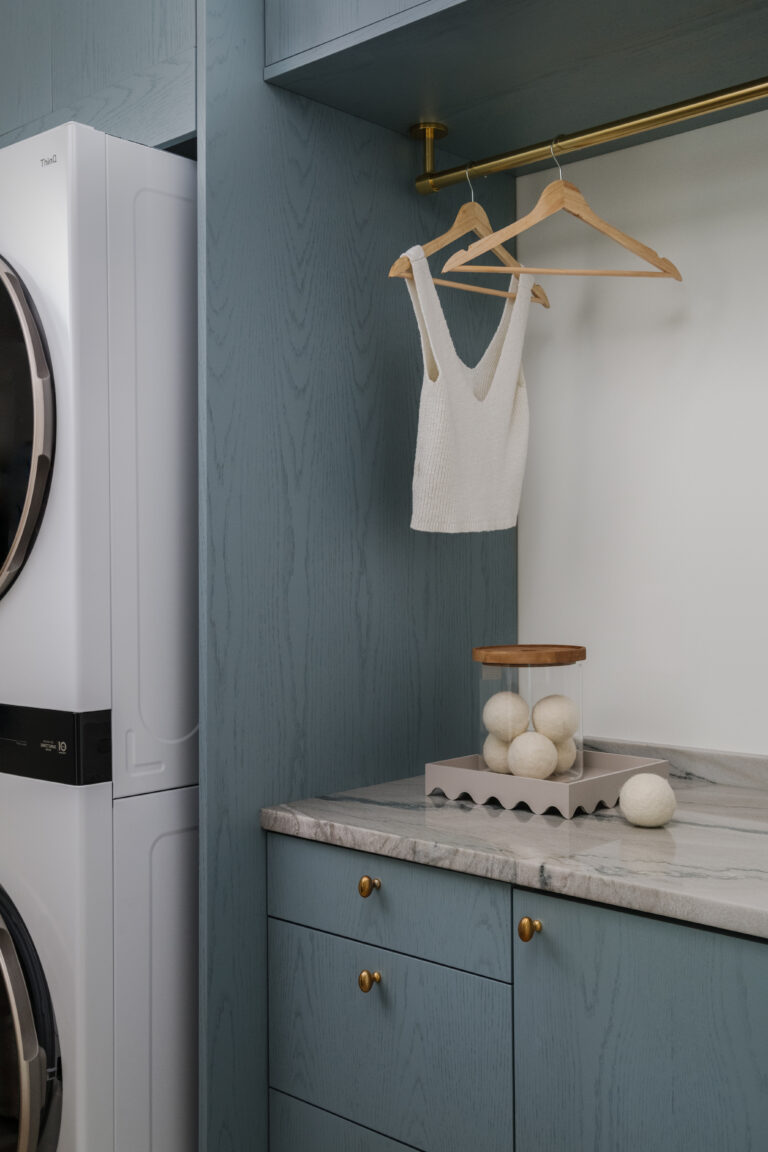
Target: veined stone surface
{"points": [[708, 866]]}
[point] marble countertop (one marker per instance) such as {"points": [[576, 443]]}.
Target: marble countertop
{"points": [[708, 866]]}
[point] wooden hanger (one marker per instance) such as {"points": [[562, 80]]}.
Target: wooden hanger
{"points": [[471, 217], [563, 196]]}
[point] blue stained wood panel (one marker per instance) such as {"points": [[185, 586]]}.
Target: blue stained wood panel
{"points": [[448, 917], [97, 43], [25, 62], [505, 75], [335, 641], [294, 26], [424, 1057], [295, 1126], [634, 1034], [155, 106]]}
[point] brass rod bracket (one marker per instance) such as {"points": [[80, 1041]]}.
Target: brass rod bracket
{"points": [[428, 131]]}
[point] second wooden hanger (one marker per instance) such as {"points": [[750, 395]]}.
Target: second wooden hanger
{"points": [[563, 196]]}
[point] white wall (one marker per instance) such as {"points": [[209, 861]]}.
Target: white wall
{"points": [[644, 521]]}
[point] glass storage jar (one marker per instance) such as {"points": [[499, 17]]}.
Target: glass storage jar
{"points": [[530, 709]]}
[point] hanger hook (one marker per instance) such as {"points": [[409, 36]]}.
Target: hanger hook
{"points": [[552, 150], [466, 173]]}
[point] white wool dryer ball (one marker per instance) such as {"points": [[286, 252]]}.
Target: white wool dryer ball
{"points": [[556, 717], [647, 800], [505, 715], [495, 753], [566, 755], [532, 754]]}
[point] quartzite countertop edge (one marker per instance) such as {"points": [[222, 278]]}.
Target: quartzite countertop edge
{"points": [[709, 866]]}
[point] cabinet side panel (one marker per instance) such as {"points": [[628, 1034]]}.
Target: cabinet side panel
{"points": [[634, 1033]]}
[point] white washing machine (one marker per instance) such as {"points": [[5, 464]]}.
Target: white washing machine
{"points": [[98, 646]]}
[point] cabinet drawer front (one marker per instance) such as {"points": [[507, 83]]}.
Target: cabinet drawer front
{"points": [[425, 1057], [298, 1127], [662, 1028], [449, 917]]}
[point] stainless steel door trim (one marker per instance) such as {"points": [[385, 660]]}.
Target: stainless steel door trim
{"points": [[31, 1058], [43, 428]]}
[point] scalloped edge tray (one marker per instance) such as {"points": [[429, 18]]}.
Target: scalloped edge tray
{"points": [[604, 774]]}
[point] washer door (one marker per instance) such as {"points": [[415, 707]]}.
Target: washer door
{"points": [[26, 426], [30, 1079], [22, 1062]]}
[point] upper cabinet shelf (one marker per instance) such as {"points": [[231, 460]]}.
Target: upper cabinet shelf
{"points": [[503, 74]]}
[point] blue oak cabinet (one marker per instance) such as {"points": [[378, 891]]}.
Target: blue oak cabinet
{"points": [[124, 68], [457, 920], [631, 1033], [424, 1057], [304, 26], [294, 1125]]}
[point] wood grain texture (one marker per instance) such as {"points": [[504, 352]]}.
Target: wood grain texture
{"points": [[97, 42], [448, 917], [575, 66], [153, 107], [336, 642], [304, 26], [634, 1033], [419, 1058], [25, 62], [295, 1125]]}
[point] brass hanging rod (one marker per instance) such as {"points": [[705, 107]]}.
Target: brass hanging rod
{"points": [[616, 130]]}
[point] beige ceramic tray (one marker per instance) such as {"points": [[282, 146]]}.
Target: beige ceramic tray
{"points": [[604, 774]]}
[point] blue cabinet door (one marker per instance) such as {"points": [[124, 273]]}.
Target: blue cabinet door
{"points": [[298, 1127], [634, 1034], [425, 1057], [456, 920]]}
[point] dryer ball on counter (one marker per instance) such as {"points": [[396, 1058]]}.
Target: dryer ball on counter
{"points": [[647, 800], [495, 753], [532, 754], [505, 715], [566, 755], [556, 717]]}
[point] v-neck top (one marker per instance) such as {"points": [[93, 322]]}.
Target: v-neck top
{"points": [[472, 439]]}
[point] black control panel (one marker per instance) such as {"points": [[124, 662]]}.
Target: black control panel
{"points": [[61, 747]]}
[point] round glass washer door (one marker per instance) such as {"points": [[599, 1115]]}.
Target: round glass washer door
{"points": [[30, 1076], [26, 425]]}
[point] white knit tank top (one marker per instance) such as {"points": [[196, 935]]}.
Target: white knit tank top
{"points": [[473, 422]]}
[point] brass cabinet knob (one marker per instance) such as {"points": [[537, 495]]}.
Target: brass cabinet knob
{"points": [[367, 979], [527, 927], [366, 885]]}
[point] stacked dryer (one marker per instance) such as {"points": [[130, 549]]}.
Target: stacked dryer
{"points": [[98, 646]]}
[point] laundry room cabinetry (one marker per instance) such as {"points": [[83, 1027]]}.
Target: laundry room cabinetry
{"points": [[502, 76], [426, 1050], [25, 63], [127, 69], [630, 1032], [303, 26], [635, 1033]]}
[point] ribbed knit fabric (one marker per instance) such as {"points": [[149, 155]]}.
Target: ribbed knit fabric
{"points": [[472, 439]]}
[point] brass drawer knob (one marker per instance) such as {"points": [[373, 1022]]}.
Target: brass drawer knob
{"points": [[366, 885], [367, 979], [527, 927]]}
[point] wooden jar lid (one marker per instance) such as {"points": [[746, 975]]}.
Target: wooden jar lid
{"points": [[527, 655]]}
